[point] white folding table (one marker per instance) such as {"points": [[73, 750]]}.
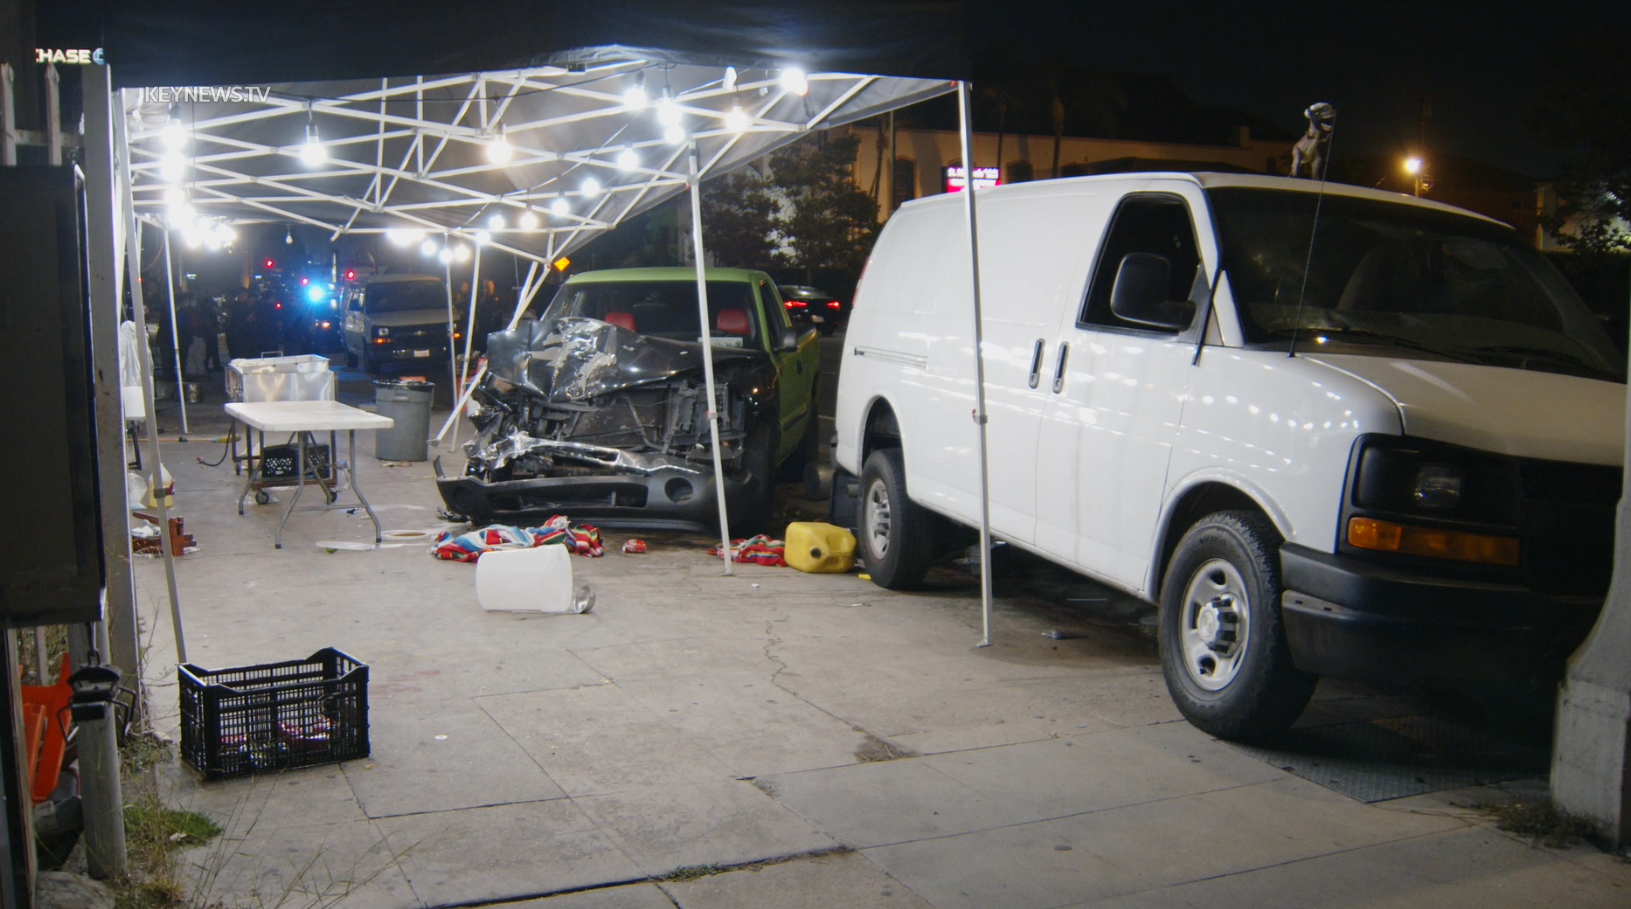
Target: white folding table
{"points": [[302, 418]]}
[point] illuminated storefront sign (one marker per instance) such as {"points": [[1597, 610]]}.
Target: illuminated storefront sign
{"points": [[76, 55], [983, 177]]}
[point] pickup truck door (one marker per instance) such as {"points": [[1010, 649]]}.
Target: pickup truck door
{"points": [[1117, 392], [798, 370]]}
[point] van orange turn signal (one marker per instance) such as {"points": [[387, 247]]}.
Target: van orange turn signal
{"points": [[1385, 536]]}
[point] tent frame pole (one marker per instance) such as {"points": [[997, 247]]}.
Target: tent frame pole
{"points": [[966, 135], [175, 336], [469, 339], [708, 362]]}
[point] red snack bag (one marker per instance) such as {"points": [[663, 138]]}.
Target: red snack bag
{"points": [[634, 546]]}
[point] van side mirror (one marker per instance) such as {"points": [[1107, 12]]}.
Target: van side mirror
{"points": [[787, 340], [1140, 293]]}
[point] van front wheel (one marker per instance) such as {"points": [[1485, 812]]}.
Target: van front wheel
{"points": [[896, 535], [1223, 647]]}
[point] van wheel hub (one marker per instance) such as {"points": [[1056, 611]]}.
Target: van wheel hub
{"points": [[1215, 625], [876, 519]]}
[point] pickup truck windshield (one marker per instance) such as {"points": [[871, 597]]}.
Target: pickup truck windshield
{"points": [[404, 296], [1386, 275], [664, 309]]}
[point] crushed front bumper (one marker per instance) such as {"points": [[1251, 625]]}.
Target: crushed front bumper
{"points": [[625, 489]]}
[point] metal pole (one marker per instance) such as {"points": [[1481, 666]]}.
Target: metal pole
{"points": [[967, 137], [133, 259], [103, 804], [469, 333], [708, 361], [42, 674], [528, 291], [452, 322], [175, 337], [101, 230]]}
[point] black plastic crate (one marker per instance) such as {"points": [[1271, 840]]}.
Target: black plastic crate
{"points": [[278, 462], [279, 716]]}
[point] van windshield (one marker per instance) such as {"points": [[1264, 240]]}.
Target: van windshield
{"points": [[404, 296], [665, 309], [1384, 276]]}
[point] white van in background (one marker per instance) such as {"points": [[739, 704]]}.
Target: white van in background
{"points": [[1343, 433]]}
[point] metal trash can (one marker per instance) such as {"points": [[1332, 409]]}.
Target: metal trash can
{"points": [[408, 403]]}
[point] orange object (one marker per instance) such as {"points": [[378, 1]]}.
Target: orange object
{"points": [[1385, 536], [50, 703]]}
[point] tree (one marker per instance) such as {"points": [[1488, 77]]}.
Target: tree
{"points": [[739, 220], [1584, 110], [826, 222]]}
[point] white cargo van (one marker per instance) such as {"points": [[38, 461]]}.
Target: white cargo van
{"points": [[1352, 433]]}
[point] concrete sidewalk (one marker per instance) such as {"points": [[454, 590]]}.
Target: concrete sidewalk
{"points": [[694, 722]]}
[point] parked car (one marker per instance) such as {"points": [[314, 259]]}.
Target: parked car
{"points": [[813, 306], [1400, 463], [598, 409], [397, 318]]}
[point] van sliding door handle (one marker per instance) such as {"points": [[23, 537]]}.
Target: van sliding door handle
{"points": [[1059, 370], [1036, 364]]}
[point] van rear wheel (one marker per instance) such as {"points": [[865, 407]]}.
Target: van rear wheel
{"points": [[897, 535], [1223, 645]]}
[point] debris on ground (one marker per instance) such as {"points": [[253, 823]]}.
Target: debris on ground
{"points": [[760, 550], [634, 546], [582, 539]]}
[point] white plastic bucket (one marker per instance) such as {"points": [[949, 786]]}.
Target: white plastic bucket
{"points": [[528, 580]]}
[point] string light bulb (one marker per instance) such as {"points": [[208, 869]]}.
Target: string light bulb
{"points": [[529, 220], [674, 135], [499, 150], [497, 222], [794, 81], [668, 111], [312, 153], [590, 187], [172, 166], [173, 135], [559, 207], [427, 248], [461, 253], [736, 119], [627, 159], [634, 97]]}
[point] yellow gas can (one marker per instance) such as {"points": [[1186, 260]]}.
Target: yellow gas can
{"points": [[817, 547]]}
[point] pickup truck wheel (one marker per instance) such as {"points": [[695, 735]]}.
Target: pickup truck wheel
{"points": [[1223, 646], [750, 512], [896, 534]]}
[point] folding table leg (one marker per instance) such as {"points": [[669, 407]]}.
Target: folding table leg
{"points": [[300, 487], [351, 470]]}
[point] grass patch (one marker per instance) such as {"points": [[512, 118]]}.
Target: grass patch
{"points": [[166, 828], [692, 872], [1543, 822]]}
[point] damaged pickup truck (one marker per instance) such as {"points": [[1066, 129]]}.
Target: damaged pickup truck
{"points": [[598, 409]]}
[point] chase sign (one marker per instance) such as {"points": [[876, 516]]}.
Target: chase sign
{"points": [[58, 55]]}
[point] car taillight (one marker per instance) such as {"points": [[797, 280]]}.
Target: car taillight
{"points": [[796, 304], [834, 304]]}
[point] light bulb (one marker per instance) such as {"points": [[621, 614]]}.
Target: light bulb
{"points": [[446, 255], [427, 248], [405, 236], [794, 81], [173, 135], [174, 196], [559, 207], [172, 166], [730, 78], [313, 153], [496, 222], [668, 112], [483, 237], [461, 253], [529, 221], [591, 187], [212, 240], [634, 97], [227, 233], [736, 119], [499, 150], [288, 236], [674, 135], [627, 159], [193, 237]]}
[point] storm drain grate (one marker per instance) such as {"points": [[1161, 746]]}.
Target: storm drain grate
{"points": [[1383, 759]]}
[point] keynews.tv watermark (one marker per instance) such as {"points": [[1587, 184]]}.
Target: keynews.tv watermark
{"points": [[205, 94]]}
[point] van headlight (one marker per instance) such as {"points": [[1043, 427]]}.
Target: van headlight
{"points": [[1438, 486], [1395, 475]]}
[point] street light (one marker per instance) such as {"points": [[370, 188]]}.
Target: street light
{"points": [[1414, 166]]}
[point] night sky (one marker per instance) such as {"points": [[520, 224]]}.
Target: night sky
{"points": [[1373, 61]]}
